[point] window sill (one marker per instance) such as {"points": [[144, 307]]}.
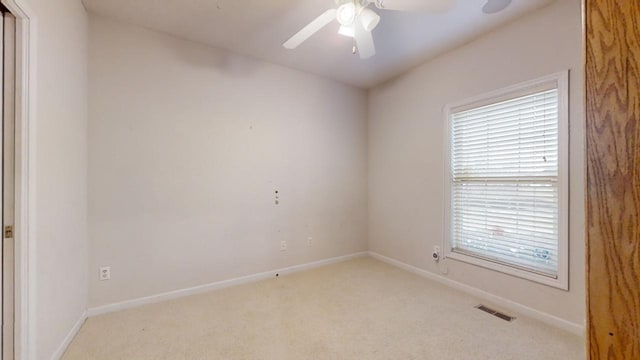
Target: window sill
{"points": [[561, 282]]}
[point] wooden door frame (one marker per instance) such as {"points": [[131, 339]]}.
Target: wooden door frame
{"points": [[612, 102], [24, 227]]}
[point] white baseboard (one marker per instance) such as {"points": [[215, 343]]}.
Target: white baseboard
{"points": [[127, 304], [497, 300], [69, 338], [549, 319]]}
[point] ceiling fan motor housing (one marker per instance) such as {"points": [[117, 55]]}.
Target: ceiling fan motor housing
{"points": [[351, 10], [363, 3], [347, 13]]}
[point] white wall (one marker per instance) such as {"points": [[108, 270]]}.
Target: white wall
{"points": [[61, 171], [187, 146], [406, 146]]}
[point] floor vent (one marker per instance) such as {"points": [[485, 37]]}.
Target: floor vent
{"points": [[495, 313]]}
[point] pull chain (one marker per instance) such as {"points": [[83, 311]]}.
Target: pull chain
{"points": [[355, 48]]}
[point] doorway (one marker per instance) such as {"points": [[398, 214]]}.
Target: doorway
{"points": [[7, 250]]}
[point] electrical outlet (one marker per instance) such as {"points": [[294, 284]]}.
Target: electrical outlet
{"points": [[283, 246], [309, 241], [105, 273]]}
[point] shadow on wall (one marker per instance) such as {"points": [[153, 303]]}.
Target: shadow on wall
{"points": [[237, 64], [202, 56]]}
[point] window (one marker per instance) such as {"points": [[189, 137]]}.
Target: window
{"points": [[507, 202]]}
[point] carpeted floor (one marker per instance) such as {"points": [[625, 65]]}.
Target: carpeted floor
{"points": [[361, 309]]}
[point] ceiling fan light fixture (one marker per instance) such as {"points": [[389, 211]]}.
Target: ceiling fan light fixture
{"points": [[369, 19], [347, 31], [347, 14]]}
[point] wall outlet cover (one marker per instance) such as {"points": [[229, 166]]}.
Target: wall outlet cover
{"points": [[105, 273]]}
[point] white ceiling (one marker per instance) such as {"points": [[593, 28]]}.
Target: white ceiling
{"points": [[259, 27]]}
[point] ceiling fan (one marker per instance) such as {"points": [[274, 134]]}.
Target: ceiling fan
{"points": [[357, 20]]}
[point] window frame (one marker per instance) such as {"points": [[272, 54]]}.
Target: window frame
{"points": [[561, 81]]}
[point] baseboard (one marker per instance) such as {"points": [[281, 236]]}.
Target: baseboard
{"points": [[69, 338], [549, 319], [217, 285], [497, 300]]}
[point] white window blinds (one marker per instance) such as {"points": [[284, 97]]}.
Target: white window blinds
{"points": [[504, 182]]}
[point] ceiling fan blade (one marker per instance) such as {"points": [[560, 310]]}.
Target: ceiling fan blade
{"points": [[312, 28], [364, 41], [494, 6], [416, 5]]}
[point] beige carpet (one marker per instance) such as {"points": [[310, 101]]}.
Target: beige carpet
{"points": [[361, 309]]}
